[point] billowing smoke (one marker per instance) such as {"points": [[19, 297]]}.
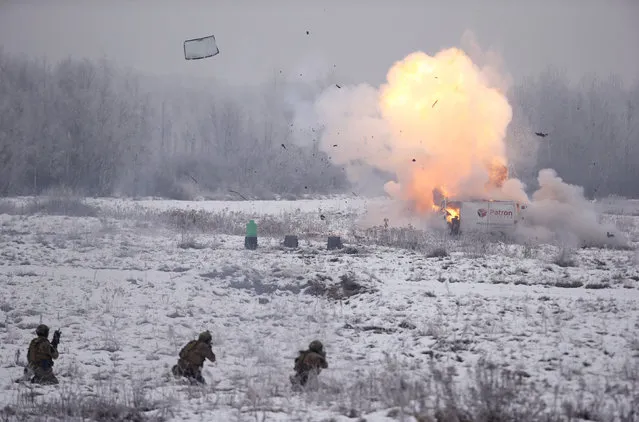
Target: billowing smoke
{"points": [[437, 128], [560, 211]]}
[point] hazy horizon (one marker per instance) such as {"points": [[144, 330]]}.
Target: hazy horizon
{"points": [[360, 42]]}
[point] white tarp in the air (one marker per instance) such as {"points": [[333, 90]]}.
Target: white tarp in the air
{"points": [[200, 48]]}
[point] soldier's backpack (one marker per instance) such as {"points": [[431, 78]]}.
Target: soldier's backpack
{"points": [[184, 353], [299, 360], [33, 354]]}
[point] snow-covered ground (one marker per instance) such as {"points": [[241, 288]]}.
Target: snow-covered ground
{"points": [[128, 289]]}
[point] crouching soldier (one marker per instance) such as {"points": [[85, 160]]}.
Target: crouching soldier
{"points": [[309, 364], [192, 357], [41, 355]]}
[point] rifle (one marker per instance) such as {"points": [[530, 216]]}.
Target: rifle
{"points": [[56, 338]]}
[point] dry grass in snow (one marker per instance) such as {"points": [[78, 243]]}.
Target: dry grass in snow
{"points": [[417, 326]]}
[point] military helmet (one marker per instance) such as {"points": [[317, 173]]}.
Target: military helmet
{"points": [[42, 330], [205, 337], [316, 346]]}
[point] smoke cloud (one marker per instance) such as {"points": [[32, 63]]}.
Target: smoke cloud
{"points": [[437, 127], [560, 211]]}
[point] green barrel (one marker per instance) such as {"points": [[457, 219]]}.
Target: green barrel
{"points": [[250, 240]]}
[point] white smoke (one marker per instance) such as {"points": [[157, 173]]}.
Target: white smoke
{"points": [[560, 211]]}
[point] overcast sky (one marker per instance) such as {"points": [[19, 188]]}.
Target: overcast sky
{"points": [[361, 38]]}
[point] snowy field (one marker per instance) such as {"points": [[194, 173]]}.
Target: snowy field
{"points": [[413, 322]]}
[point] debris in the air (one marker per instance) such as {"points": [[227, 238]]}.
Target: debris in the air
{"points": [[283, 146], [434, 103], [200, 48], [322, 217], [237, 193], [307, 32], [414, 160], [541, 134], [334, 145], [337, 85], [305, 187]]}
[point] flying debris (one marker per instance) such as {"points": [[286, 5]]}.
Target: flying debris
{"points": [[283, 146], [541, 134], [337, 85], [200, 48], [434, 103], [239, 194]]}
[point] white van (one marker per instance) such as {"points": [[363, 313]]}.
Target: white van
{"points": [[482, 215]]}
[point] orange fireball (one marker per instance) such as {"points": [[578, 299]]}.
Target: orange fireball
{"points": [[442, 112]]}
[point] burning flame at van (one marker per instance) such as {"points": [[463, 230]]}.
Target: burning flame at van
{"points": [[451, 213], [441, 204], [497, 175]]}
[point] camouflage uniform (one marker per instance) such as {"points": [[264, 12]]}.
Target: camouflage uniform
{"points": [[40, 357], [309, 364], [192, 357]]}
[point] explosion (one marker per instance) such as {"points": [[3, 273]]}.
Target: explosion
{"points": [[436, 131], [437, 124]]}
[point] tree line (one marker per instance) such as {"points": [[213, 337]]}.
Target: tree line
{"points": [[101, 131]]}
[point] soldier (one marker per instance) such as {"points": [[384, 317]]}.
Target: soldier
{"points": [[309, 364], [192, 357], [41, 355]]}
